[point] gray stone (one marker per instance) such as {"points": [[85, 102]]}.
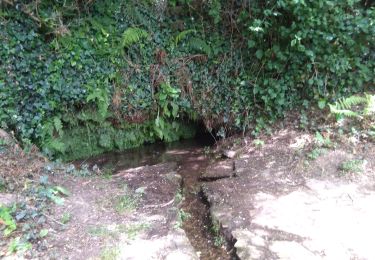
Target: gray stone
{"points": [[229, 154], [6, 199]]}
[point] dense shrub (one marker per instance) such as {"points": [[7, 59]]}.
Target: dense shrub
{"points": [[126, 72]]}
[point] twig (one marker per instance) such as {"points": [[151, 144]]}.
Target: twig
{"points": [[159, 205]]}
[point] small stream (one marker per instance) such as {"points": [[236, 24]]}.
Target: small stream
{"points": [[191, 160]]}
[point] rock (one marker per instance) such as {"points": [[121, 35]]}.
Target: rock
{"points": [[229, 154], [7, 199], [218, 170]]}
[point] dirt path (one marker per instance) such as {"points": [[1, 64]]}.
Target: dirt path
{"points": [[288, 200]]}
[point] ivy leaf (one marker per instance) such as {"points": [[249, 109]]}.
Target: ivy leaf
{"points": [[250, 43], [259, 54], [322, 103]]}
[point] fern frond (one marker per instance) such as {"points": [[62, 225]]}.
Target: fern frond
{"points": [[344, 106], [133, 35], [349, 102], [200, 45], [58, 125], [55, 145], [342, 112], [370, 105], [182, 35]]}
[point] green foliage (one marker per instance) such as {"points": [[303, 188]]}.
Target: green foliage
{"points": [[132, 36], [18, 245], [7, 220], [344, 107], [315, 153], [216, 232], [182, 35], [127, 201], [182, 216], [110, 253], [65, 218], [258, 143], [322, 141], [354, 166], [120, 73], [23, 224]]}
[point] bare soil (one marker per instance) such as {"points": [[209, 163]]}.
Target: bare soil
{"points": [[285, 196], [293, 199], [125, 206]]}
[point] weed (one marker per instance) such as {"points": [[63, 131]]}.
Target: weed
{"points": [[133, 229], [102, 231], [28, 217], [219, 241], [3, 145], [237, 141], [107, 175], [2, 184], [178, 197], [7, 220], [322, 141], [354, 166], [43, 233], [65, 218], [83, 171], [215, 230], [181, 217], [315, 153], [126, 203], [114, 230], [258, 143], [110, 253], [19, 245]]}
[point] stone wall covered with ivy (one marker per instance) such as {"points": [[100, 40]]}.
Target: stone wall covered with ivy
{"points": [[81, 77]]}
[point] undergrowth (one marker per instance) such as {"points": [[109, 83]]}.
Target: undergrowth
{"points": [[80, 78], [24, 223]]}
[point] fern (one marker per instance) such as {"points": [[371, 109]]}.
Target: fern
{"points": [[58, 125], [370, 105], [54, 145], [182, 35], [200, 45], [133, 35], [344, 106]]}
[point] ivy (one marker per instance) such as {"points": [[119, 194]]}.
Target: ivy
{"points": [[121, 73]]}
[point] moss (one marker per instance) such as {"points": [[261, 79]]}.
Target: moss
{"points": [[82, 142]]}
